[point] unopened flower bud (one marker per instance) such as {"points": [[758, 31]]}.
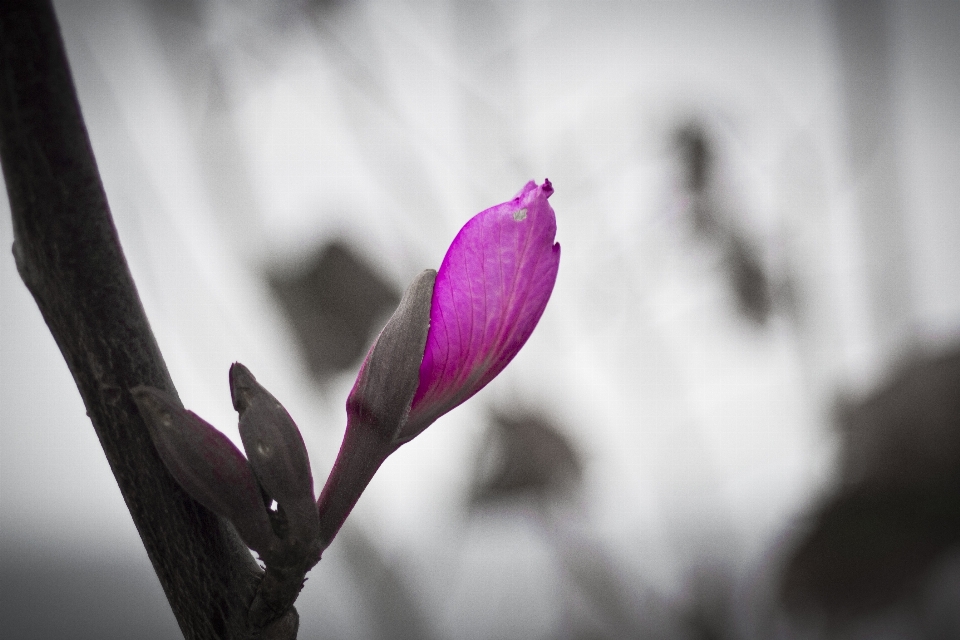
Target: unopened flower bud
{"points": [[492, 287], [206, 465], [452, 334], [276, 452]]}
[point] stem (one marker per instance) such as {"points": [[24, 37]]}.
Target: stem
{"points": [[69, 256], [362, 452]]}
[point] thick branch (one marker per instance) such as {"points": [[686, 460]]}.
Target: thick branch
{"points": [[69, 256]]}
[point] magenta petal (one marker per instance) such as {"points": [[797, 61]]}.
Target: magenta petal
{"points": [[490, 292]]}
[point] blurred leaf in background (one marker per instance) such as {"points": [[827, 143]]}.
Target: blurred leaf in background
{"points": [[333, 300]]}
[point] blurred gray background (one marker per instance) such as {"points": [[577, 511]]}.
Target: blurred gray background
{"points": [[738, 417]]}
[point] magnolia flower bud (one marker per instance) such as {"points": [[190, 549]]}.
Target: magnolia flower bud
{"points": [[277, 455], [206, 465], [452, 334], [492, 287]]}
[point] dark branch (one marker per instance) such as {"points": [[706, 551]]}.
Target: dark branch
{"points": [[69, 256]]}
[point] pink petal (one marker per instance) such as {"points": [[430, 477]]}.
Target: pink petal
{"points": [[490, 292]]}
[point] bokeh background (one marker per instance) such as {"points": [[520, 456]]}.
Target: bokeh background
{"points": [[740, 414]]}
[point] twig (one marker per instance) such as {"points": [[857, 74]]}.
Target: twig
{"points": [[69, 256]]}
